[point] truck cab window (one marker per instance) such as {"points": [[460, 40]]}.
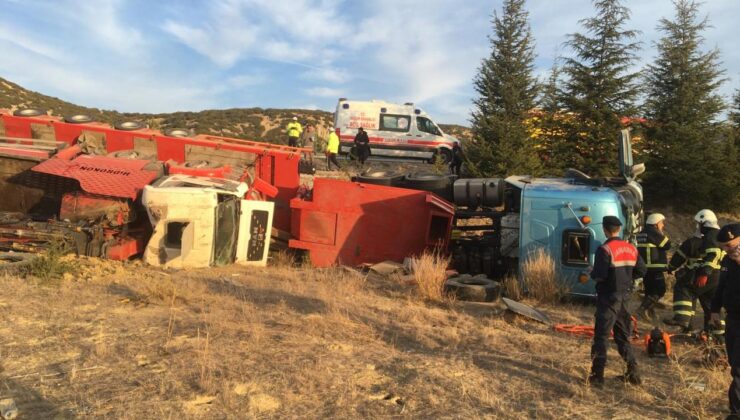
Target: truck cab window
{"points": [[576, 247], [394, 122], [426, 125]]}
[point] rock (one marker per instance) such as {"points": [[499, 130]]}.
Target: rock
{"points": [[8, 409]]}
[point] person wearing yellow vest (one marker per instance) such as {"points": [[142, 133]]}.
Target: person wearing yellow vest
{"points": [[332, 148], [653, 243], [294, 130]]}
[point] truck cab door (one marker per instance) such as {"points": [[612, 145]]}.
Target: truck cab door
{"points": [[627, 168]]}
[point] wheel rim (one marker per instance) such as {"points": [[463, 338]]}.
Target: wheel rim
{"points": [[177, 132], [130, 125], [78, 118], [28, 112]]}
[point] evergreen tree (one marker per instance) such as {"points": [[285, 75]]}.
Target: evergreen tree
{"points": [[507, 91], [688, 147], [599, 87]]}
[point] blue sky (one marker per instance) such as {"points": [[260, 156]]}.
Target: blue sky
{"points": [[146, 56]]}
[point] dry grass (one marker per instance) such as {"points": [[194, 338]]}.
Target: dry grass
{"points": [[430, 275], [540, 277], [127, 341]]}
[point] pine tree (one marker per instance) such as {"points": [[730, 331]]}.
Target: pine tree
{"points": [[688, 147], [599, 87], [507, 90]]}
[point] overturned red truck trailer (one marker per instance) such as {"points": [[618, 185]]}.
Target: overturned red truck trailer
{"points": [[102, 170]]}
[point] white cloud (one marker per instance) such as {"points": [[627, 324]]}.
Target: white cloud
{"points": [[20, 38], [324, 92], [246, 80], [101, 22], [327, 74]]}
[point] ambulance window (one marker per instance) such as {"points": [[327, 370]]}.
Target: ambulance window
{"points": [[426, 125], [576, 247], [394, 122]]}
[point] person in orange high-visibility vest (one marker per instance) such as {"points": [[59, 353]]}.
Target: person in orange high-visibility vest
{"points": [[616, 265]]}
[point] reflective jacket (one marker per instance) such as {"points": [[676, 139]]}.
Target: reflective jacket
{"points": [[711, 255], [332, 146], [616, 264], [688, 254], [652, 245], [294, 129]]}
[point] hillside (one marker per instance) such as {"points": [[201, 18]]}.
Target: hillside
{"points": [[247, 123]]}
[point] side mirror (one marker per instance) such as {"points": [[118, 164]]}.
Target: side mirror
{"points": [[637, 170]]}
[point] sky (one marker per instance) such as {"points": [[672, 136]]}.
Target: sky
{"points": [[166, 56]]}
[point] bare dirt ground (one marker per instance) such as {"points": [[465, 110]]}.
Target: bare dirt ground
{"points": [[124, 340]]}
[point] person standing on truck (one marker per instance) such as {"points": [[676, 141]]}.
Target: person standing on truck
{"points": [[653, 243], [457, 159], [362, 145], [728, 296], [683, 264], [332, 148], [294, 130], [616, 265]]}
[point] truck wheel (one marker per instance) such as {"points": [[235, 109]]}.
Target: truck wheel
{"points": [[201, 164], [129, 125], [438, 184], [474, 289], [177, 132], [388, 178], [78, 119], [28, 112], [129, 154]]}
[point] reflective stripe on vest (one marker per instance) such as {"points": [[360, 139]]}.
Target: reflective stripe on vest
{"points": [[622, 253]]}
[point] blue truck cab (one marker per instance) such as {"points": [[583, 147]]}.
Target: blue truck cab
{"points": [[502, 223], [563, 216]]}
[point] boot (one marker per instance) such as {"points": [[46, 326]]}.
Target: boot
{"points": [[632, 376], [596, 379], [644, 311]]}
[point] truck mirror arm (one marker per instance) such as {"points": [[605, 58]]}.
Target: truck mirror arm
{"points": [[569, 206]]}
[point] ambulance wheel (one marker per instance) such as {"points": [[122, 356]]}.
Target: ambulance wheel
{"points": [[388, 178], [78, 119], [28, 112], [474, 289], [444, 153]]}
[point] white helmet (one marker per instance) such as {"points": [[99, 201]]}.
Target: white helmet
{"points": [[295, 118], [654, 219], [707, 218]]}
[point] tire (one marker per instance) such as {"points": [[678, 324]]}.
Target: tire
{"points": [[177, 132], [201, 164], [129, 154], [474, 289], [28, 112], [438, 184], [445, 153], [388, 178], [78, 119], [129, 125]]}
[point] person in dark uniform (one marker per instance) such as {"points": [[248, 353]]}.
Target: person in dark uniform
{"points": [[683, 265], [362, 145], [457, 159], [728, 296], [652, 243], [616, 265], [706, 277]]}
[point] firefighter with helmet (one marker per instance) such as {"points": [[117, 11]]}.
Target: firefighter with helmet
{"points": [[683, 266], [653, 243], [706, 273]]}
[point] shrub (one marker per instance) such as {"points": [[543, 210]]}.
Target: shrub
{"points": [[430, 275]]}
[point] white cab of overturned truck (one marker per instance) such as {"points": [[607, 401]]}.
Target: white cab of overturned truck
{"points": [[394, 130], [201, 222]]}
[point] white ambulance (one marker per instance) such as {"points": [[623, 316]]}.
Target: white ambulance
{"points": [[394, 130]]}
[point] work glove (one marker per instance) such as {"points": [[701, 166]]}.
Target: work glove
{"points": [[701, 281]]}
